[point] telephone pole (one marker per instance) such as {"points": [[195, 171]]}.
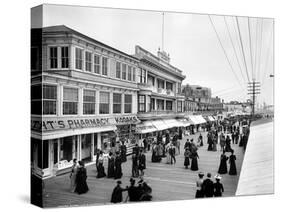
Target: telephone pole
{"points": [[253, 91]]}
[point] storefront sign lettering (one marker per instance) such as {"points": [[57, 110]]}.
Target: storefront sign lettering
{"points": [[126, 119], [48, 125]]}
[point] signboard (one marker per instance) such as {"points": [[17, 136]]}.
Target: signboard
{"points": [[62, 123]]}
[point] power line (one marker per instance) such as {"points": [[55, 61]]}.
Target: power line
{"points": [[240, 38], [256, 48], [224, 50], [250, 44], [234, 48], [259, 64]]}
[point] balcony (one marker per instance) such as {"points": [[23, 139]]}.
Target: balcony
{"points": [[159, 114]]}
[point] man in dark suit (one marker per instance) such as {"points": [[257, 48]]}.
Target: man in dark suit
{"points": [[208, 186]]}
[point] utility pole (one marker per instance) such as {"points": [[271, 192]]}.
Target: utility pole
{"points": [[253, 91]]}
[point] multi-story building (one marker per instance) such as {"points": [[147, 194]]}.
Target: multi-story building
{"points": [[84, 97], [160, 101]]}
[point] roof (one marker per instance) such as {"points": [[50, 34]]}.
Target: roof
{"points": [[65, 29]]}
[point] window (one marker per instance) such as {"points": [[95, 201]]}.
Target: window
{"points": [[169, 86], [134, 74], [179, 87], [49, 99], [169, 105], [128, 103], [78, 59], [142, 76], [124, 71], [97, 64], [180, 106], [70, 101], [160, 104], [88, 61], [152, 104], [118, 70], [141, 103], [117, 98], [104, 103], [104, 65], [36, 99], [129, 73], [89, 102], [53, 57], [160, 83], [150, 80], [64, 57]]}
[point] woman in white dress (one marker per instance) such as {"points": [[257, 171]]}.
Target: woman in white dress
{"points": [[73, 174]]}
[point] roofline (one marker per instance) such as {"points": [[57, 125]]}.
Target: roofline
{"points": [[70, 30]]}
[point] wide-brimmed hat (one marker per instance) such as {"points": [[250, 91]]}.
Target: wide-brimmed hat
{"points": [[217, 177], [200, 174]]}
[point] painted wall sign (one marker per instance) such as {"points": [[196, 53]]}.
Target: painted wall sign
{"points": [[126, 120]]}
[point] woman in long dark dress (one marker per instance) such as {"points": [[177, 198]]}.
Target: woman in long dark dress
{"points": [[135, 169], [101, 172], [110, 168], [194, 162], [81, 177], [210, 142], [232, 168], [118, 166], [123, 150], [218, 187], [227, 144], [223, 164], [186, 158]]}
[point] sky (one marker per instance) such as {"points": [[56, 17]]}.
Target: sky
{"points": [[197, 43]]}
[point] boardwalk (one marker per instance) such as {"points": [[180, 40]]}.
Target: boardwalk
{"points": [[169, 182], [257, 170]]}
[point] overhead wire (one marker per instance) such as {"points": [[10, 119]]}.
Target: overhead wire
{"points": [[242, 47], [224, 51], [250, 45], [256, 48], [261, 42], [227, 27]]}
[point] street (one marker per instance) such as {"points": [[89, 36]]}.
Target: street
{"points": [[168, 182]]}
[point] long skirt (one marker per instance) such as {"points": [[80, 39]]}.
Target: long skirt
{"points": [[186, 161], [81, 187], [232, 169], [194, 164], [222, 167], [199, 194], [101, 172], [72, 182]]}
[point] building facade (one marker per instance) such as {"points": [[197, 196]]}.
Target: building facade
{"points": [[84, 97], [160, 101]]}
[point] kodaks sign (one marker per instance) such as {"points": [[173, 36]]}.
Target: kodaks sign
{"points": [[51, 124]]}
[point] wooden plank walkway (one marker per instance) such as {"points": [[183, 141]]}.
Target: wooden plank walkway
{"points": [[169, 182], [257, 173]]}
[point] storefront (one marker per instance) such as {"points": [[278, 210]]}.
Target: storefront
{"points": [[57, 141]]}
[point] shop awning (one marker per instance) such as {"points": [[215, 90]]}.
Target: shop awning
{"points": [[171, 123], [200, 119], [145, 127], [160, 124], [211, 118], [183, 122]]}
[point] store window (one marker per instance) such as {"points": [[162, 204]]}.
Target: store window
{"points": [[86, 147], [97, 64], [128, 103], [70, 101], [169, 105], [104, 103], [66, 148], [36, 99], [117, 102], [53, 57], [141, 103], [64, 57], [88, 61], [104, 66], [78, 58], [124, 71], [129, 73], [118, 70], [49, 99], [89, 101]]}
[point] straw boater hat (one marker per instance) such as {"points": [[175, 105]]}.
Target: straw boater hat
{"points": [[217, 177]]}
